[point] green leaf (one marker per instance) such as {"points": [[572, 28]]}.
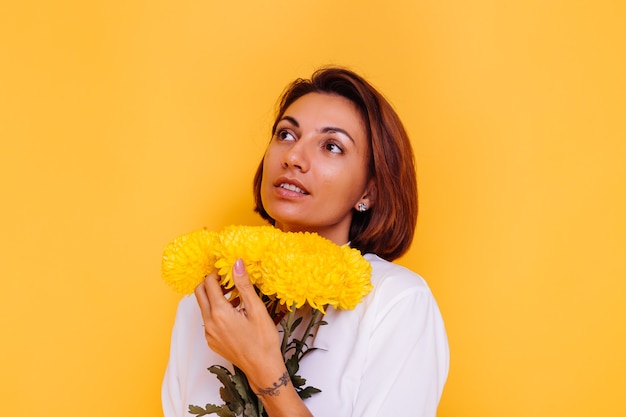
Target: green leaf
{"points": [[306, 352], [221, 411], [250, 410], [307, 392], [228, 392], [194, 409], [297, 381], [296, 324], [224, 411], [300, 346], [292, 365], [249, 398]]}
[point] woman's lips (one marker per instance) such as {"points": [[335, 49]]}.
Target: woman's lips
{"points": [[291, 185]]}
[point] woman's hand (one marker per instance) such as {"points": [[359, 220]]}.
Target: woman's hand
{"points": [[246, 337]]}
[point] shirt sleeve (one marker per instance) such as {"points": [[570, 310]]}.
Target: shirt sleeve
{"points": [[407, 359], [172, 388], [187, 380]]}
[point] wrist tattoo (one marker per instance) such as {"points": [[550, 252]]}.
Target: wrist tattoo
{"points": [[275, 390]]}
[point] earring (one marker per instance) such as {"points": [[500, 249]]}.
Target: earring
{"points": [[361, 207]]}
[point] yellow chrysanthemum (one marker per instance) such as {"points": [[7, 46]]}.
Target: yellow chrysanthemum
{"points": [[188, 259], [246, 242], [306, 268], [295, 268]]}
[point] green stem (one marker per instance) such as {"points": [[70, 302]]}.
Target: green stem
{"points": [[260, 407], [314, 316], [286, 324]]}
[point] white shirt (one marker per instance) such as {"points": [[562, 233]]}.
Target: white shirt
{"points": [[387, 357]]}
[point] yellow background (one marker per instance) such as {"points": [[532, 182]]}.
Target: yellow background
{"points": [[126, 123]]}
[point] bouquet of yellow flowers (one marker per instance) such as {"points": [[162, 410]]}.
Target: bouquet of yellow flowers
{"points": [[288, 270]]}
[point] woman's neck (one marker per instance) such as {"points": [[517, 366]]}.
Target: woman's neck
{"points": [[334, 234]]}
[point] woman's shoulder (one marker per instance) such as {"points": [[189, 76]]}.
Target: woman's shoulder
{"points": [[399, 293], [188, 311], [394, 277]]}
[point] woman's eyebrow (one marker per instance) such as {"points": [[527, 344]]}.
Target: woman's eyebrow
{"points": [[338, 130], [322, 130], [291, 120]]}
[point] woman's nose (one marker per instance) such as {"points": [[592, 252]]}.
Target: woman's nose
{"points": [[297, 157]]}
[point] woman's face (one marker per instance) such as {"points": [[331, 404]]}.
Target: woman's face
{"points": [[315, 169]]}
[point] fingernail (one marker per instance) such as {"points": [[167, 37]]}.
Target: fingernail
{"points": [[239, 269]]}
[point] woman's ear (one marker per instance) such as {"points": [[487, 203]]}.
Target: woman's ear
{"points": [[368, 199]]}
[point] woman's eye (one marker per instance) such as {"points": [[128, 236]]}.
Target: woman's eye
{"points": [[285, 135], [333, 147]]}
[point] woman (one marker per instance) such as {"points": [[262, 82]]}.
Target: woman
{"points": [[340, 164]]}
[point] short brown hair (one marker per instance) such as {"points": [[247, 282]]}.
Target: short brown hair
{"points": [[387, 228]]}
